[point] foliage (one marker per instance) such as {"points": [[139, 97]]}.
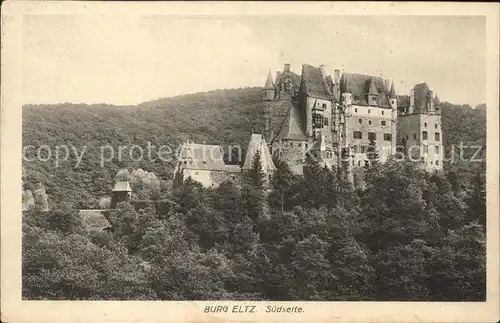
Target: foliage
{"points": [[403, 234]]}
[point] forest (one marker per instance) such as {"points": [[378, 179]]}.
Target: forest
{"points": [[405, 235]]}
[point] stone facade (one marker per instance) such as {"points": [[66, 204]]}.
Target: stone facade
{"points": [[349, 111]]}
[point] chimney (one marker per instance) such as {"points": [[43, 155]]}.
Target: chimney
{"points": [[336, 76], [431, 101], [412, 101], [286, 68]]}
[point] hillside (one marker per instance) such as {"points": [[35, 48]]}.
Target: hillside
{"points": [[222, 116]]}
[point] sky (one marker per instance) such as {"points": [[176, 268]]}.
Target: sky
{"points": [[126, 60]]}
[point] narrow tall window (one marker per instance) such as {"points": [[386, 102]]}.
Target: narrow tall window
{"points": [[383, 123], [369, 122], [414, 136], [437, 136], [436, 150], [360, 121], [424, 135]]}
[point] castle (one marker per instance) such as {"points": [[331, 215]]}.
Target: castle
{"points": [[336, 118]]}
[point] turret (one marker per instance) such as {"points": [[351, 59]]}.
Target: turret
{"points": [[269, 88], [393, 98], [372, 93], [411, 109], [437, 104]]}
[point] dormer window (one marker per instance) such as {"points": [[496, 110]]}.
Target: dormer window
{"points": [[372, 99]]}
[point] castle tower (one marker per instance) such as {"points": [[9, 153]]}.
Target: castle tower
{"points": [[269, 88], [393, 103], [420, 130], [121, 192]]}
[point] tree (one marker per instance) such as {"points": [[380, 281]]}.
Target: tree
{"points": [[283, 185]]}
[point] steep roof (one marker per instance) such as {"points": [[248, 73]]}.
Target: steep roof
{"points": [[269, 81], [294, 77], [292, 126], [314, 81], [436, 100], [201, 156], [94, 219], [403, 101], [257, 142], [359, 85], [122, 186], [392, 92]]}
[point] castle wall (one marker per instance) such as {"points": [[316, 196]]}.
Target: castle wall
{"points": [[381, 125], [429, 151]]}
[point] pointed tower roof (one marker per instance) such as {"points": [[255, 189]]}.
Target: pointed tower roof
{"points": [[392, 92], [436, 99], [257, 142], [372, 89], [269, 81]]}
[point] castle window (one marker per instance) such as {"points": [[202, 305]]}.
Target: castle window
{"points": [[424, 135], [435, 126], [383, 122], [369, 122], [357, 135], [355, 148], [436, 149], [359, 162], [360, 121], [299, 144], [426, 149], [325, 121], [372, 136], [305, 144], [355, 110], [406, 137], [414, 136], [363, 148], [368, 111], [437, 162], [431, 162], [324, 106], [291, 144], [425, 124], [382, 112], [387, 137], [436, 136]]}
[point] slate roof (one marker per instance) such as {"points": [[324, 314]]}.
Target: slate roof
{"points": [[122, 186], [201, 157], [257, 142], [294, 77], [94, 219], [392, 92], [359, 85], [292, 127], [314, 82], [436, 100], [403, 101]]}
